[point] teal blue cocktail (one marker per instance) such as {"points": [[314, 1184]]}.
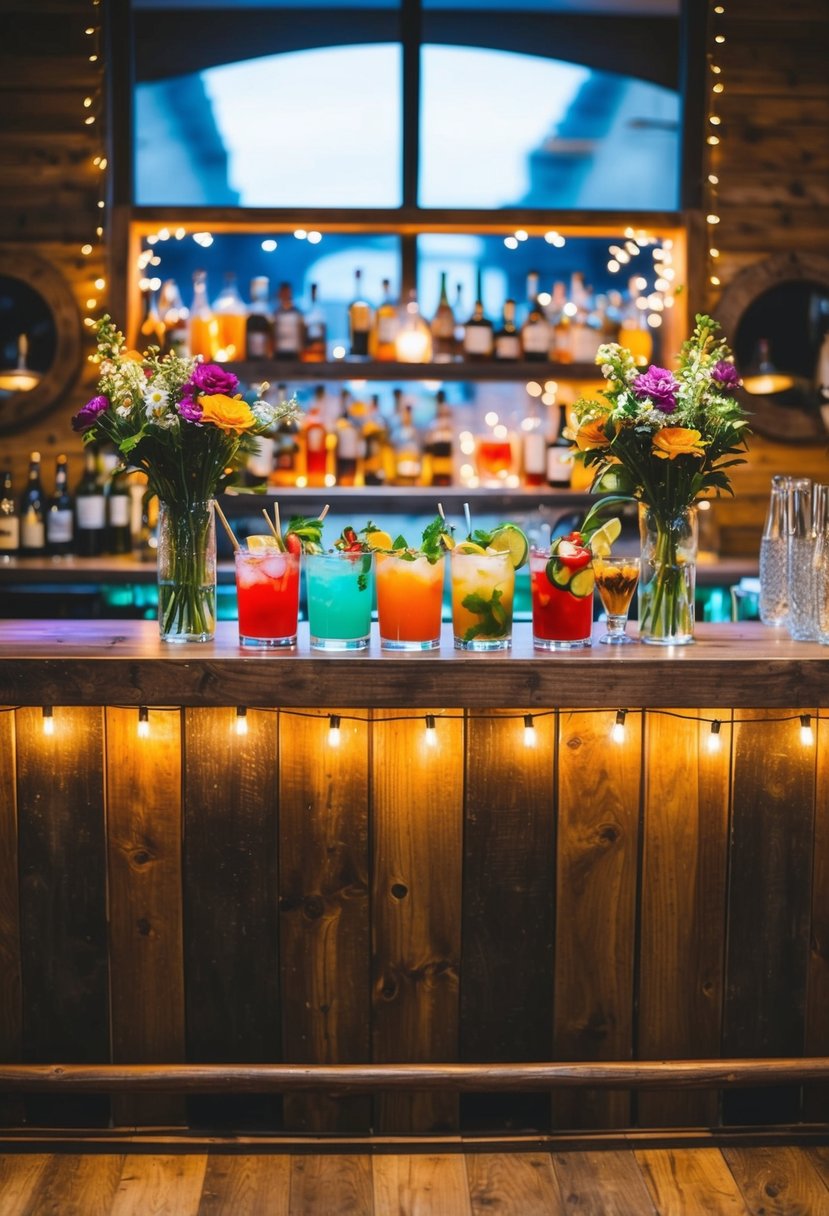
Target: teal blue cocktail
{"points": [[340, 593]]}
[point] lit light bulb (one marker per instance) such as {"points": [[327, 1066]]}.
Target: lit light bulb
{"points": [[241, 720], [617, 733], [807, 735], [143, 722], [48, 720], [333, 730], [714, 740], [530, 733], [431, 731]]}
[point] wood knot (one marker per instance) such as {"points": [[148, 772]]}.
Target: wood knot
{"points": [[608, 833], [144, 927], [574, 742], [141, 857], [399, 891], [313, 907]]}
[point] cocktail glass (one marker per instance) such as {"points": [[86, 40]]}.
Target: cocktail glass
{"points": [[616, 579], [562, 602], [267, 592], [340, 589], [483, 586], [409, 600]]}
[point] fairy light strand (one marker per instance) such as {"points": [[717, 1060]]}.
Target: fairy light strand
{"points": [[92, 121], [714, 141]]}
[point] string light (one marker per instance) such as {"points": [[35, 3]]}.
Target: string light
{"points": [[48, 720], [333, 730], [530, 733], [143, 722], [92, 112], [807, 735], [431, 731], [714, 740], [241, 720], [714, 142], [617, 733]]}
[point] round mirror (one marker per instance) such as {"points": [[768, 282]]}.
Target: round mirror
{"points": [[777, 317], [40, 338]]}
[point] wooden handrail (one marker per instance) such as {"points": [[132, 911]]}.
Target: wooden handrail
{"points": [[363, 1078]]}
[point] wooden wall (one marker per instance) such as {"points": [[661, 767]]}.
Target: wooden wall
{"points": [[199, 896], [774, 181]]}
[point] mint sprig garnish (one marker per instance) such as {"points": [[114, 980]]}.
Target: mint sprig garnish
{"points": [[493, 621]]}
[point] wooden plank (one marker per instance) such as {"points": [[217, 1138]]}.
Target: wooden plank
{"points": [[11, 1025], [238, 1184], [513, 1184], [684, 864], [19, 1175], [144, 823], [816, 1038], [597, 862], [75, 1184], [231, 943], [411, 1185], [687, 1182], [338, 1185], [163, 1185], [63, 900], [417, 809], [819, 1158], [609, 1182], [508, 907], [777, 1180], [770, 880], [325, 948]]}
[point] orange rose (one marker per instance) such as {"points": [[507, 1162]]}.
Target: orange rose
{"points": [[673, 441], [592, 435], [227, 413]]}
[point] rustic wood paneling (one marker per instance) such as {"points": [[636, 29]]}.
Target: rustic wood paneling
{"points": [[325, 949], [144, 828], [417, 828], [63, 918], [11, 1028], [508, 907], [683, 905], [597, 863], [770, 881], [231, 953], [816, 1099]]}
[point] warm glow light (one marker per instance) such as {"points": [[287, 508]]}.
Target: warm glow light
{"points": [[714, 741], [86, 250], [314, 238], [533, 389], [268, 246], [333, 730], [510, 242], [143, 722], [530, 733], [617, 733], [48, 720], [241, 720], [431, 731], [807, 735], [300, 234], [712, 219]]}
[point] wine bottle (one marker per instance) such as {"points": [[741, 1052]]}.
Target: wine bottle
{"points": [[559, 452], [90, 510], [118, 510], [60, 517], [287, 325], [535, 332], [507, 341], [359, 320], [9, 518], [478, 336], [444, 344], [315, 347], [259, 323], [32, 513]]}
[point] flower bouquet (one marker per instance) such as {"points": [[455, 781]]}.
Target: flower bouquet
{"points": [[183, 423], [664, 439]]}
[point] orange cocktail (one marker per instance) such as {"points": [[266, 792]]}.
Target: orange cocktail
{"points": [[409, 600]]}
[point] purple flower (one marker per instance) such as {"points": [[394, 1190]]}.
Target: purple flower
{"points": [[660, 385], [726, 376], [88, 416], [207, 378], [190, 409]]}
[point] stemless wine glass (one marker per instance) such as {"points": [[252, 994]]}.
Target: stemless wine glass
{"points": [[616, 579]]}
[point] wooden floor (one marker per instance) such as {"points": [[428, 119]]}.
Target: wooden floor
{"points": [[696, 1180]]}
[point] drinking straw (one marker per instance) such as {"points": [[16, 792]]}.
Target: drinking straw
{"points": [[468, 519], [274, 532], [440, 512], [323, 513], [278, 531], [226, 525]]}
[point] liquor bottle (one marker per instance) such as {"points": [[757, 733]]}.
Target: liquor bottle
{"points": [[533, 451], [32, 513], [259, 322], [90, 509], [386, 327], [444, 343], [376, 442], [285, 446], [439, 445], [414, 339], [535, 332], [118, 508], [315, 440], [634, 332], [204, 329], [348, 444], [288, 329], [460, 328], [507, 341], [559, 453], [9, 518], [315, 345], [408, 451], [175, 317], [231, 319], [152, 327], [359, 320], [561, 345], [60, 520], [478, 336]]}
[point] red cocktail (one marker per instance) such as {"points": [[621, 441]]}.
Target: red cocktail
{"points": [[267, 588], [562, 595]]}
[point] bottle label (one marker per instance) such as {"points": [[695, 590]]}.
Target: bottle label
{"points": [[9, 533], [315, 439], [257, 345], [91, 511], [119, 511], [59, 527], [387, 329], [536, 338], [288, 331], [260, 464], [559, 466], [477, 340], [348, 444], [507, 346], [535, 452], [32, 532]]}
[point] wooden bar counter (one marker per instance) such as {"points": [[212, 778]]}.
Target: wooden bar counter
{"points": [[459, 896]]}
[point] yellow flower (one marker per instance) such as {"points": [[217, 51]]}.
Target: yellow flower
{"points": [[673, 441], [227, 413], [592, 435]]}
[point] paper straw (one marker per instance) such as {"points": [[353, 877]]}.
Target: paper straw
{"points": [[226, 525], [468, 519], [323, 513], [274, 532]]}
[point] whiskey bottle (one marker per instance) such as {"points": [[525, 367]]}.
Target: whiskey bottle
{"points": [[359, 320], [315, 343], [478, 335], [348, 444], [287, 325], [203, 328], [444, 345], [386, 327], [259, 323], [315, 440], [439, 445], [507, 341], [231, 321], [535, 332]]}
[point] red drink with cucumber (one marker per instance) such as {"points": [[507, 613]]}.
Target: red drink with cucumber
{"points": [[562, 585]]}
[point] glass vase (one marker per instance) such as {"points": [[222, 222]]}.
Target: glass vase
{"points": [[186, 571], [668, 576]]}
